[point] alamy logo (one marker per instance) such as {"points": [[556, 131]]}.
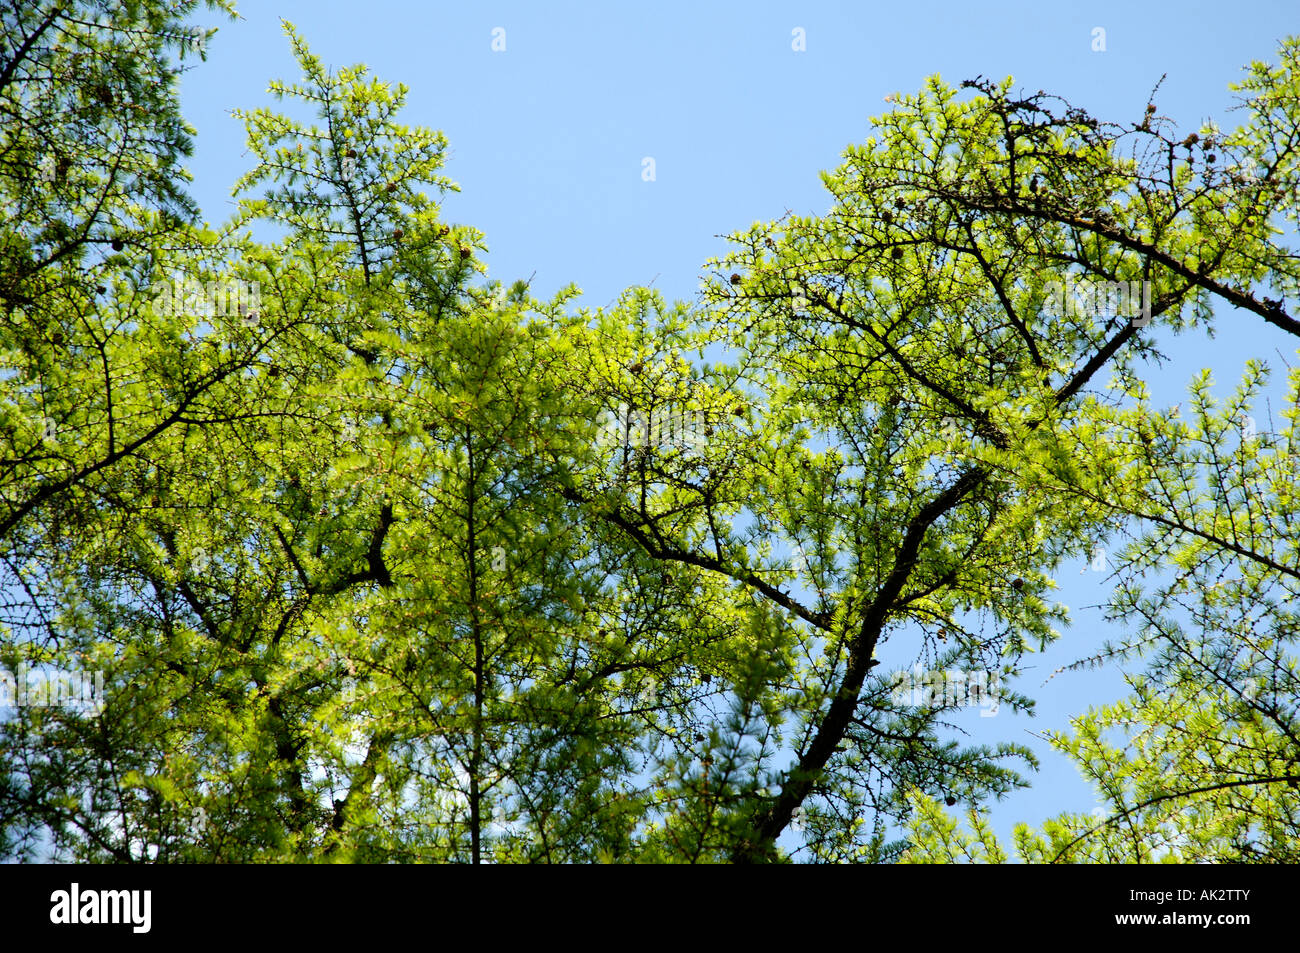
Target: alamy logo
{"points": [[36, 688], [1098, 560], [189, 297], [663, 429], [947, 688], [103, 906], [1079, 297]]}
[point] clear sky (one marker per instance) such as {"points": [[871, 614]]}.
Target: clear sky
{"points": [[548, 137]]}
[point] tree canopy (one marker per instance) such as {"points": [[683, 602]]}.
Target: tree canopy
{"points": [[386, 560]]}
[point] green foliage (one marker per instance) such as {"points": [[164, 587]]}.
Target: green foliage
{"points": [[382, 562], [1206, 771]]}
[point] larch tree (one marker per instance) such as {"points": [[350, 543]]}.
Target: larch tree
{"points": [[384, 561]]}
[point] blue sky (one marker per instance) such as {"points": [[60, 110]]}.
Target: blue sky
{"points": [[547, 140]]}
